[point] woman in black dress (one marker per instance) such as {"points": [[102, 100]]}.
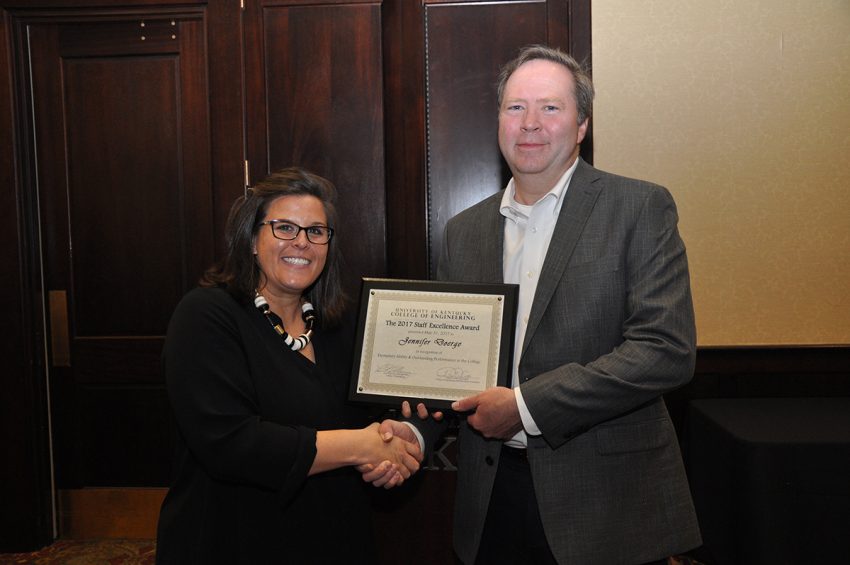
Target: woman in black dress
{"points": [[269, 455]]}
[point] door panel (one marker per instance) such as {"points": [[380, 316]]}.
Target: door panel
{"points": [[315, 100], [117, 193], [122, 144], [464, 162]]}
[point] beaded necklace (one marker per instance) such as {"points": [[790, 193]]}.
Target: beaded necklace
{"points": [[307, 314]]}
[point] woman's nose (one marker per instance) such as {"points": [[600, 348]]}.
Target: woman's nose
{"points": [[301, 239]]}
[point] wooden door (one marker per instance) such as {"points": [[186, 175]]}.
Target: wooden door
{"points": [[121, 146], [314, 98], [464, 162], [442, 148]]}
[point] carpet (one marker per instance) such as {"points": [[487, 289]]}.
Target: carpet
{"points": [[88, 552], [129, 552]]}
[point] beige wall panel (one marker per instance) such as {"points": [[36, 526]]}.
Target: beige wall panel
{"points": [[742, 109]]}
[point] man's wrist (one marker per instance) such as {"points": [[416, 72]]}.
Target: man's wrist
{"points": [[418, 435], [528, 422]]}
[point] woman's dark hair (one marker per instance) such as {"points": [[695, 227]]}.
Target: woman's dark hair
{"points": [[238, 271]]}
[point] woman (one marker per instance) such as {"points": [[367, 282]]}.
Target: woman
{"points": [[266, 442]]}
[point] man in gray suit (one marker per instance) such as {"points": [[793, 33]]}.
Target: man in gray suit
{"points": [[578, 462]]}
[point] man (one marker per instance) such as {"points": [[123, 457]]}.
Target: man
{"points": [[578, 462]]}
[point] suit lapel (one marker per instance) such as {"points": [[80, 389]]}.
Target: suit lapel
{"points": [[579, 201], [492, 243]]}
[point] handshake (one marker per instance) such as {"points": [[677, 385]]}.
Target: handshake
{"points": [[392, 450], [493, 413]]}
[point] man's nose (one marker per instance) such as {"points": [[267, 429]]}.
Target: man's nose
{"points": [[530, 121]]}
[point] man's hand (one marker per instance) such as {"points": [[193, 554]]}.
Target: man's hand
{"points": [[421, 411], [393, 428], [403, 457], [496, 414], [384, 475]]}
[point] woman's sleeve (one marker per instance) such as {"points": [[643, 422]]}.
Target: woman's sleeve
{"points": [[215, 404]]}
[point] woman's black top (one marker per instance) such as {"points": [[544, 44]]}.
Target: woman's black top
{"points": [[247, 410]]}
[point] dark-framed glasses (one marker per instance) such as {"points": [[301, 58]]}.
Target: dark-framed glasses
{"points": [[287, 231]]}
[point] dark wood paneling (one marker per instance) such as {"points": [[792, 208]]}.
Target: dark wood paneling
{"points": [[120, 204], [436, 170], [126, 360], [124, 196], [226, 107], [407, 199], [126, 435], [72, 4], [752, 372], [317, 98], [25, 484], [424, 504], [464, 162], [577, 44]]}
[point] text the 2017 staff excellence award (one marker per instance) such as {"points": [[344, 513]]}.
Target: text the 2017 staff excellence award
{"points": [[432, 341]]}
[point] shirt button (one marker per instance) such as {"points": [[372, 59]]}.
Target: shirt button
{"points": [[488, 460], [533, 230], [525, 320], [530, 274]]}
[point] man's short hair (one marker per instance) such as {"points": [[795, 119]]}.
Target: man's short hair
{"points": [[583, 92]]}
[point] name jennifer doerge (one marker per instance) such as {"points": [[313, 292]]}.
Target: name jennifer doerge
{"points": [[420, 342]]}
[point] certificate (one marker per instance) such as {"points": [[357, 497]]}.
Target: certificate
{"points": [[434, 342]]}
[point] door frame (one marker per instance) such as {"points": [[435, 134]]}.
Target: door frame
{"points": [[29, 518]]}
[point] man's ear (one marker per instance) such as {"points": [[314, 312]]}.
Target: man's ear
{"points": [[582, 131]]}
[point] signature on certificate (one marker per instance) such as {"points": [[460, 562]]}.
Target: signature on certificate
{"points": [[393, 371], [452, 374]]}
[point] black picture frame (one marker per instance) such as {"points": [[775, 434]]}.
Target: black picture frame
{"points": [[421, 341]]}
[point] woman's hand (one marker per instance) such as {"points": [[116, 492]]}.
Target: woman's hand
{"points": [[393, 428], [390, 429], [390, 458], [387, 461], [384, 475]]}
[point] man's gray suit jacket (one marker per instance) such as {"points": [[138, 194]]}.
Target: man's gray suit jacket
{"points": [[611, 329]]}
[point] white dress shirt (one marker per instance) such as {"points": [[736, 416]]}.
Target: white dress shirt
{"points": [[528, 230]]}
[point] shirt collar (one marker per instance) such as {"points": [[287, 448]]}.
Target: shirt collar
{"points": [[513, 210]]}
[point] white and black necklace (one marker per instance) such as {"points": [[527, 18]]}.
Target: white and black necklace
{"points": [[307, 314]]}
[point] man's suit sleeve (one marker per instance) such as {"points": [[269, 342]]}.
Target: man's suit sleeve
{"points": [[656, 351]]}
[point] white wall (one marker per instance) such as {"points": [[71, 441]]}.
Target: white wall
{"points": [[742, 109]]}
